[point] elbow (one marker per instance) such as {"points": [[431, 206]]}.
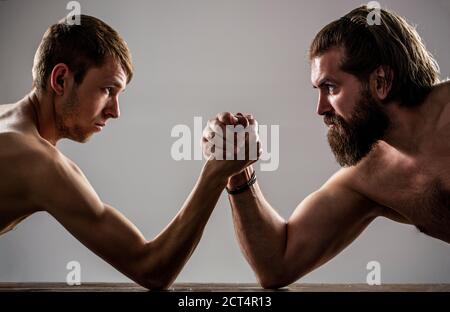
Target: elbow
{"points": [[280, 279], [152, 272], [154, 278], [272, 283], [156, 284], [272, 280]]}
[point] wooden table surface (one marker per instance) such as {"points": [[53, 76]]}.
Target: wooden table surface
{"points": [[221, 287]]}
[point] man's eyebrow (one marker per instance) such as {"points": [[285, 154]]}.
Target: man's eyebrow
{"points": [[116, 83], [324, 81]]}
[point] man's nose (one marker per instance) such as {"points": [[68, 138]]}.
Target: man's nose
{"points": [[112, 109], [323, 106]]}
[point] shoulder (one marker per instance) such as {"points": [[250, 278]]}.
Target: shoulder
{"points": [[437, 107], [439, 95], [6, 107], [40, 164], [25, 153], [35, 157], [356, 177], [27, 163], [56, 182], [352, 184], [47, 178], [444, 85]]}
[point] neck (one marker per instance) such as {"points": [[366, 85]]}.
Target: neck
{"points": [[43, 115], [409, 126]]}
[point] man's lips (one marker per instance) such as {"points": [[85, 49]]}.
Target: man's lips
{"points": [[328, 123], [99, 126]]}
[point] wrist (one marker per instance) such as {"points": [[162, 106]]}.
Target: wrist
{"points": [[241, 178], [213, 176], [244, 187]]}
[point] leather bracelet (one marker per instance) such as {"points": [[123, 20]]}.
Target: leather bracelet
{"points": [[244, 187]]}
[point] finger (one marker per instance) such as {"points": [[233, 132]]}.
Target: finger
{"points": [[207, 149], [235, 137], [224, 133], [221, 145], [247, 136], [208, 133], [217, 127], [242, 120], [221, 154], [253, 122], [247, 149], [260, 150], [227, 118]]}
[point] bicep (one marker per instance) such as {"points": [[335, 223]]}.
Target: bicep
{"points": [[324, 224]]}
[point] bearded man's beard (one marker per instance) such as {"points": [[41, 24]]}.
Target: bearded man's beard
{"points": [[351, 141]]}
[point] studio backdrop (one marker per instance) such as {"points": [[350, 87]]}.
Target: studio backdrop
{"points": [[194, 59]]}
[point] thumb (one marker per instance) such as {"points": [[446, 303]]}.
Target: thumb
{"points": [[242, 120], [233, 119]]}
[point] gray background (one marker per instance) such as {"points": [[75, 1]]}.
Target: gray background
{"points": [[198, 58]]}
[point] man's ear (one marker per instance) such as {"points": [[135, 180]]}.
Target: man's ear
{"points": [[59, 78], [381, 82]]}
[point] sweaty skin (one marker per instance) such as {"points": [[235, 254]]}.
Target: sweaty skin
{"points": [[36, 176], [406, 178]]}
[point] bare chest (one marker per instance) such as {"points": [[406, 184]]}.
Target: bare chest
{"points": [[419, 191]]}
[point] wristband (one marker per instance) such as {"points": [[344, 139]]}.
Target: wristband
{"points": [[241, 188]]}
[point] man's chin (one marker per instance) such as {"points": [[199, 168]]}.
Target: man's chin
{"points": [[85, 140], [347, 156], [80, 137]]}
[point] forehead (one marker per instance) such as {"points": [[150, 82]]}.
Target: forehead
{"points": [[111, 70], [326, 65]]}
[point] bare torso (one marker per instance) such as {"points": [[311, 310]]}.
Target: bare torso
{"points": [[17, 138], [413, 189]]}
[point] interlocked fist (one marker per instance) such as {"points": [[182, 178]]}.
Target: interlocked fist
{"points": [[232, 137]]}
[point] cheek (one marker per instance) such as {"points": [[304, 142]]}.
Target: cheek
{"points": [[92, 106], [87, 114], [339, 104], [344, 104], [98, 106]]}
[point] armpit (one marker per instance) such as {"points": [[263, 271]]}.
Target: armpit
{"points": [[393, 215]]}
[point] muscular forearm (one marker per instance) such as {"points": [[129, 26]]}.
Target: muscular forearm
{"points": [[170, 250], [261, 231]]}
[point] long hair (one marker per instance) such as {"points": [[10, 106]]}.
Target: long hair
{"points": [[395, 44]]}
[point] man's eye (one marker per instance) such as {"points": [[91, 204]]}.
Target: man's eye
{"points": [[330, 88], [108, 90]]}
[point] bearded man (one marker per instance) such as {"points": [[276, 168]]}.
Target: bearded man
{"points": [[389, 128]]}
